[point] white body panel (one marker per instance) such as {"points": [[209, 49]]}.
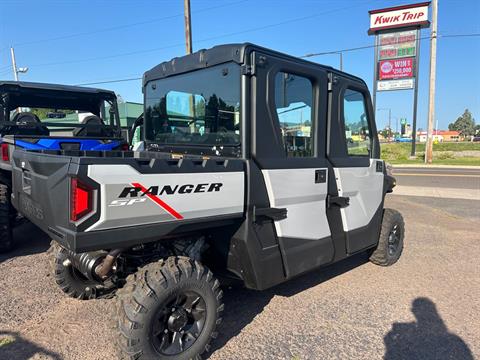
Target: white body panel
{"points": [[364, 187], [296, 190], [115, 212]]}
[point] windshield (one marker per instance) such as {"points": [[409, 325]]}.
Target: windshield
{"points": [[196, 111]]}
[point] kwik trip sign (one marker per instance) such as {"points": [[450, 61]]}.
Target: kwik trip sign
{"points": [[400, 16], [397, 30]]}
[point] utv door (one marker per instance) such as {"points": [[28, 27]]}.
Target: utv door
{"points": [[289, 141], [354, 152]]}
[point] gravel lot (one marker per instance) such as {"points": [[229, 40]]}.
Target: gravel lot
{"points": [[426, 306]]}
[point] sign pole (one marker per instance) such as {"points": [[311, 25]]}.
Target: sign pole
{"points": [[431, 97], [415, 95], [375, 72]]}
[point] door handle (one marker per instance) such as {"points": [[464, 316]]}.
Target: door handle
{"points": [[274, 214], [320, 176], [340, 201]]}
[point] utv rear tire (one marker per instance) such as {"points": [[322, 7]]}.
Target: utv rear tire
{"points": [[6, 219], [390, 242], [70, 280], [168, 310]]}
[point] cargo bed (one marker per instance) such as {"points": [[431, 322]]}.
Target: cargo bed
{"points": [[124, 198]]}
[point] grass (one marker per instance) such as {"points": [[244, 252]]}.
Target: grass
{"points": [[447, 146], [399, 153]]}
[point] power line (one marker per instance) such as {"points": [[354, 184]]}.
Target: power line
{"points": [[308, 55], [373, 46], [196, 41], [118, 27], [460, 35], [109, 81], [4, 72]]}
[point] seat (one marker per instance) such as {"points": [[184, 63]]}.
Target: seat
{"points": [[94, 127], [29, 124]]}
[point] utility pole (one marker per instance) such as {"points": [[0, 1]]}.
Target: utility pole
{"points": [[14, 64], [431, 98], [389, 121], [188, 45], [16, 70], [341, 61], [188, 27], [390, 124]]}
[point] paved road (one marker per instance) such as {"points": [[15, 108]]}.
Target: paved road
{"points": [[441, 183], [458, 178], [425, 306]]}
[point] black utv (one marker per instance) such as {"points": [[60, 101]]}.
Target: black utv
{"points": [[38, 116], [255, 165]]}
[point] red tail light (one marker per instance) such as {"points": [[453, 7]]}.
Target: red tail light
{"points": [[81, 199], [125, 147], [5, 154]]}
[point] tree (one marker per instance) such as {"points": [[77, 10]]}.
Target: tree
{"points": [[464, 124]]}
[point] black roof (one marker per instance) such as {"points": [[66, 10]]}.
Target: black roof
{"points": [[24, 85], [221, 54], [30, 94]]}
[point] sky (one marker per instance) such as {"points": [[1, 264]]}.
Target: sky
{"points": [[78, 42]]}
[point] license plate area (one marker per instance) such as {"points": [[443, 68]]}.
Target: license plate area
{"points": [[30, 208]]}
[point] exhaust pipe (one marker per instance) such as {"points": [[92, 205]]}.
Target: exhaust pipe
{"points": [[103, 271], [95, 265]]}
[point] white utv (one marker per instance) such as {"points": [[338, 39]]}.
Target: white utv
{"points": [[245, 171]]}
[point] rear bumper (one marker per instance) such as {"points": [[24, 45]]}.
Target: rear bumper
{"points": [[125, 237]]}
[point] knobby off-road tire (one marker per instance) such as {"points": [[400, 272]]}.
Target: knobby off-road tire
{"points": [[166, 303], [70, 280], [390, 242], [6, 219]]}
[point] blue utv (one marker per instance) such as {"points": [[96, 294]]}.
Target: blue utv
{"points": [[51, 118]]}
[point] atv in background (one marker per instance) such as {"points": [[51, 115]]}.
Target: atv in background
{"points": [[38, 116]]}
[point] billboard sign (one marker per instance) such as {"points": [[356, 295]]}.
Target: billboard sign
{"points": [[415, 15], [402, 84], [395, 69], [397, 45], [397, 50]]}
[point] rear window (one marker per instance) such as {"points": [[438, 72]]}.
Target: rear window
{"points": [[200, 109], [61, 120]]}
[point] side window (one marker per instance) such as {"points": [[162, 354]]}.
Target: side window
{"points": [[293, 101], [357, 132]]}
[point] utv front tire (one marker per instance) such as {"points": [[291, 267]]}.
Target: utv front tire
{"points": [[168, 310], [69, 279], [6, 219], [390, 242]]}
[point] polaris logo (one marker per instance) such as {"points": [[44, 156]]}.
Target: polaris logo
{"points": [[136, 191]]}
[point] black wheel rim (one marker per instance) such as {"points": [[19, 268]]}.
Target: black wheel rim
{"points": [[179, 323], [394, 239]]}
